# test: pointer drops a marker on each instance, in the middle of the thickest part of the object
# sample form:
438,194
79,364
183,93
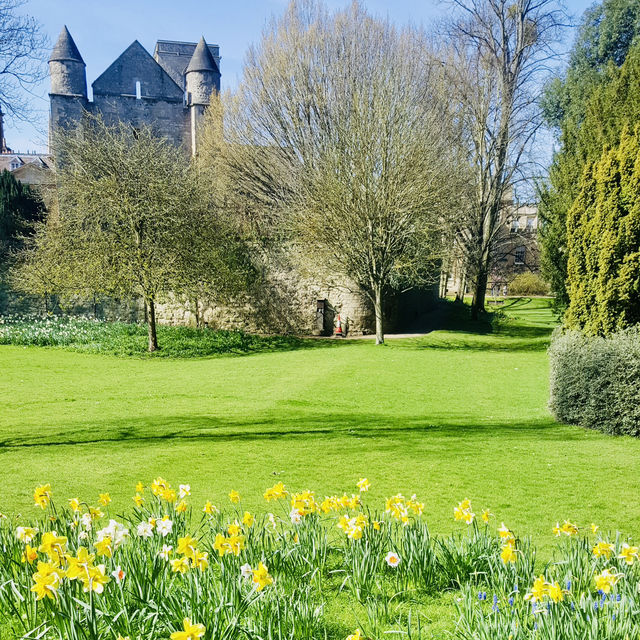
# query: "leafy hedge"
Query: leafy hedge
595,381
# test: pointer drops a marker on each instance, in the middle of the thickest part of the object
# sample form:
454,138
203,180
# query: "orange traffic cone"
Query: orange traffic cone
339,333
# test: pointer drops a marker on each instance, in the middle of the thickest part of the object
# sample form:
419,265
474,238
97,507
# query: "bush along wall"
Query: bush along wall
595,381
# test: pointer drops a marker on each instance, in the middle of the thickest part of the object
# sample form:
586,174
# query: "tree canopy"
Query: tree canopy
20,209
603,233
338,136
586,116
135,219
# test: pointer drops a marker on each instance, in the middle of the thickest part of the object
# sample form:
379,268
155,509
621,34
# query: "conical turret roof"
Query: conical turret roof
202,59
65,48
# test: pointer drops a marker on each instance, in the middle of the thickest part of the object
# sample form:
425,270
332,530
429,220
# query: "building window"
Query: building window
14,165
515,225
138,90
520,254
531,224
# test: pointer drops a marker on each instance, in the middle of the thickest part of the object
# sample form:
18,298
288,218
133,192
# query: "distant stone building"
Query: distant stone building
519,252
515,251
29,168
168,91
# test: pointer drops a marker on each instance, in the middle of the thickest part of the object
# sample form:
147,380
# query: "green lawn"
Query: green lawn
451,415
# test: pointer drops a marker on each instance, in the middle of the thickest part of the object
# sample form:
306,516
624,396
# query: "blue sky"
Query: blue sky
102,29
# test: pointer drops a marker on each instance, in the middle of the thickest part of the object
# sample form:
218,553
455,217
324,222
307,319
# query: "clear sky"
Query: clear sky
102,29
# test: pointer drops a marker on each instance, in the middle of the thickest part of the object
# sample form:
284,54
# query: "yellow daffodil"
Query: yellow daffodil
104,499
181,507
138,499
190,631
42,496
486,514
169,495
304,503
555,592
74,504
606,580
47,580
397,507
95,580
140,487
234,528
209,508
247,519
356,635
104,547
603,549
261,577
26,534
628,553
508,554
180,565
569,529
95,513
415,506
363,484
53,546
187,546
234,496
538,590
200,560
594,528
158,486
463,511
80,565
29,554
276,492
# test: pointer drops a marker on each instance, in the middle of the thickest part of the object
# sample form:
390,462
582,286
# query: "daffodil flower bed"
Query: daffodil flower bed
170,569
81,333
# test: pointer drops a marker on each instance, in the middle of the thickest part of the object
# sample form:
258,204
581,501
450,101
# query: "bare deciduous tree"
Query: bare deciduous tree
22,47
499,50
339,132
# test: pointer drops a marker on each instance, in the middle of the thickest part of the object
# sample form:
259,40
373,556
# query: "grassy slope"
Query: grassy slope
450,415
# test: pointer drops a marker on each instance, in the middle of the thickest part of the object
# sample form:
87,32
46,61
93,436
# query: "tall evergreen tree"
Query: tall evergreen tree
603,239
607,34
20,209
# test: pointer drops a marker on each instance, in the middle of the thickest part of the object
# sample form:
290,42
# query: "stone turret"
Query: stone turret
67,68
68,97
202,79
202,75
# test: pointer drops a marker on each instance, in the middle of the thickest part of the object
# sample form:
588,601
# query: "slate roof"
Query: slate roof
174,57
65,48
202,60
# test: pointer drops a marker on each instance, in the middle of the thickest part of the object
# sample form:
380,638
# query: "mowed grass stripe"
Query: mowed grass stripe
454,414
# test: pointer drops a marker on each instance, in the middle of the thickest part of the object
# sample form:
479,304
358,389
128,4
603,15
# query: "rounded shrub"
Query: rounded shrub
528,284
595,381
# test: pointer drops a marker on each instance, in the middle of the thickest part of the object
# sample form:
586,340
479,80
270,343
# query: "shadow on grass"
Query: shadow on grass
496,330
213,429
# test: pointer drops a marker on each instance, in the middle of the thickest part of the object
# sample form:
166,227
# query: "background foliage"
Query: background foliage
588,108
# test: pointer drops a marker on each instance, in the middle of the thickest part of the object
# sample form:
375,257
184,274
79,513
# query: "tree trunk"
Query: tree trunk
377,307
151,324
479,293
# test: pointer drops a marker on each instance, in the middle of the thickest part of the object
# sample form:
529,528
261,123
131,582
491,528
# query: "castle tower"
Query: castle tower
68,95
202,79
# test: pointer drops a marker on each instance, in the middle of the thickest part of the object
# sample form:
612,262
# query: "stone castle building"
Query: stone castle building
169,90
